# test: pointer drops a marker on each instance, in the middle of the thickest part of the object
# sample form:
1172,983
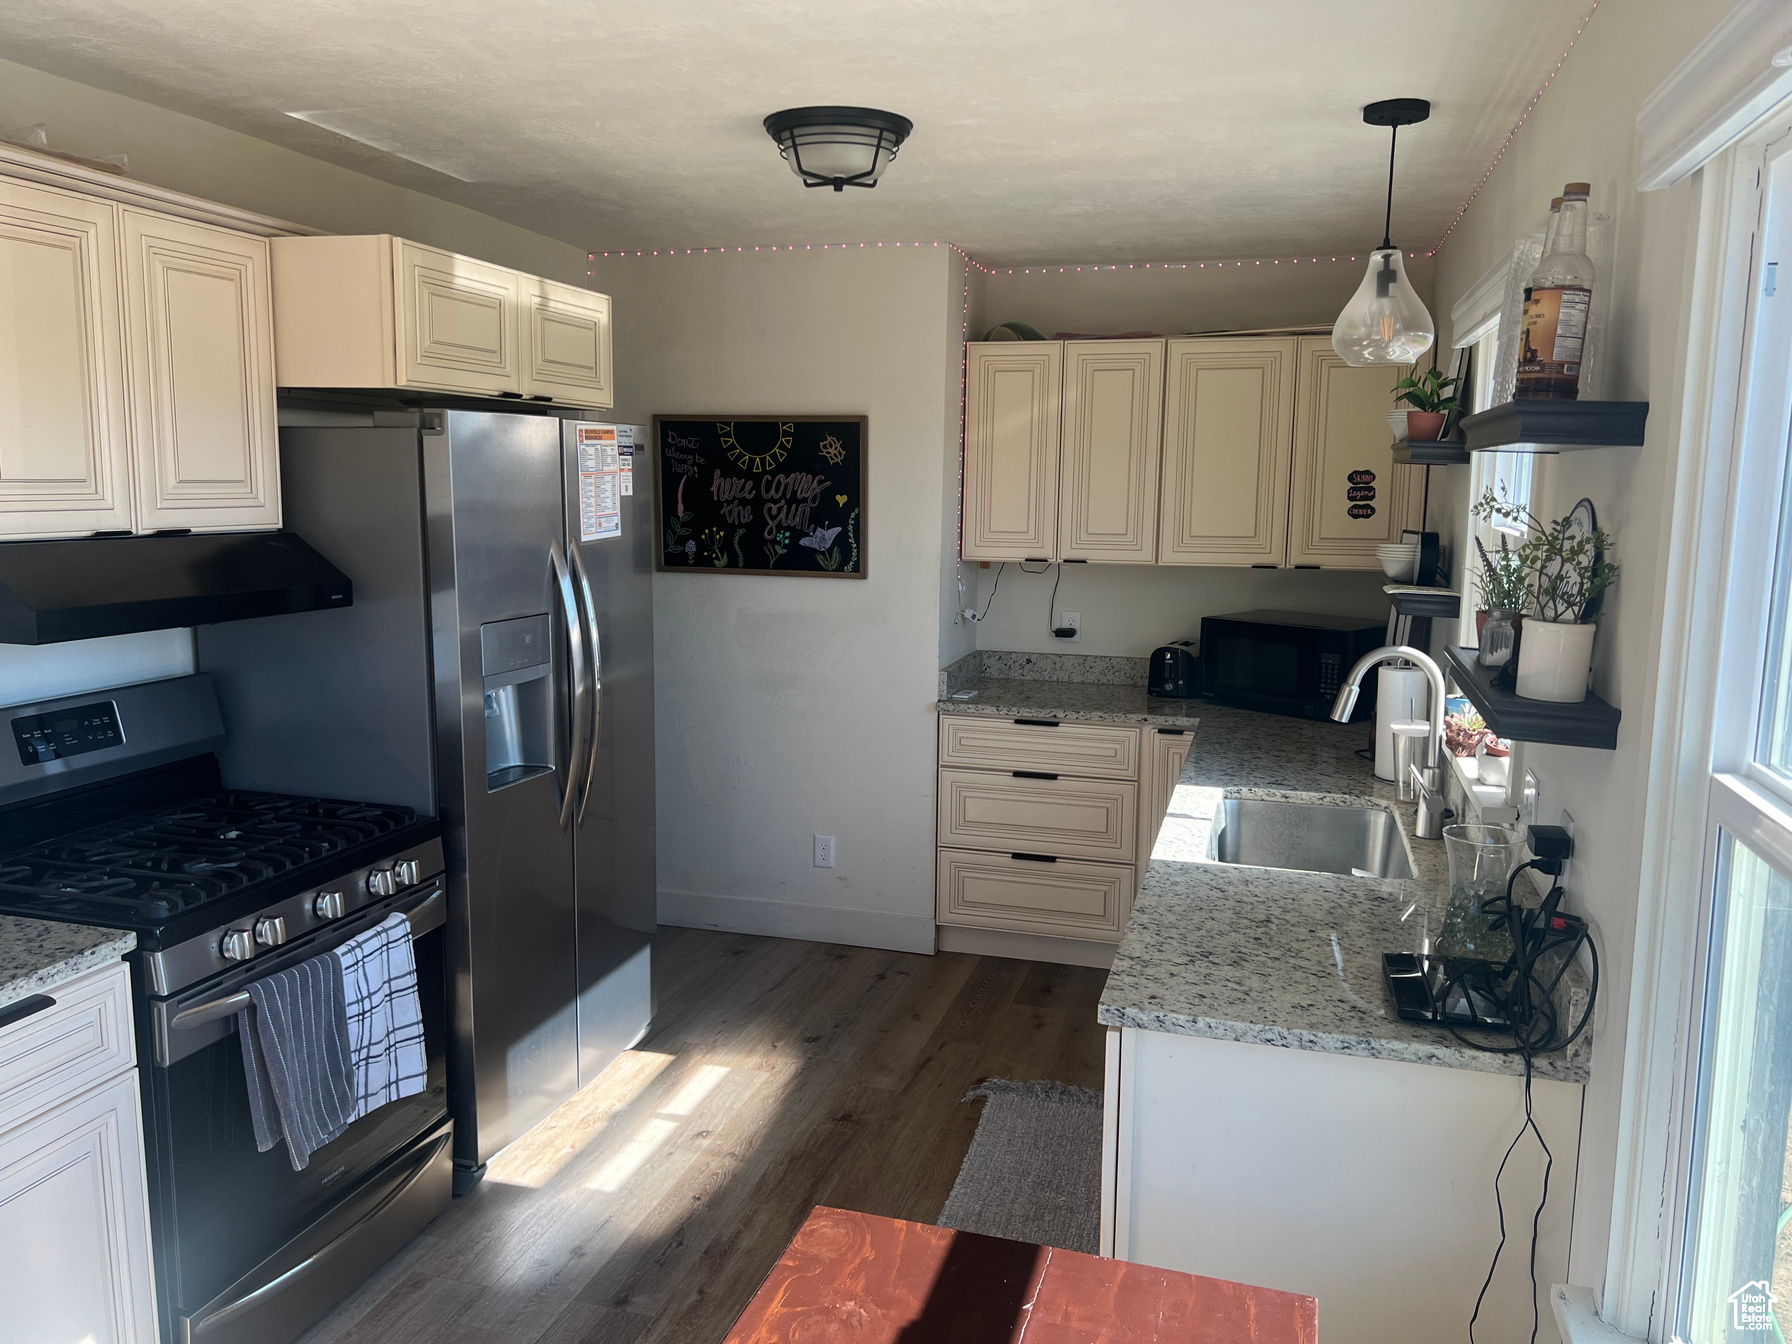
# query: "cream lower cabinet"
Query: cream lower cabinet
376,311
74,1215
65,466
1349,494
1045,829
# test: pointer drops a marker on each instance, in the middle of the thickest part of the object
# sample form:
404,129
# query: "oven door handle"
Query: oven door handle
429,914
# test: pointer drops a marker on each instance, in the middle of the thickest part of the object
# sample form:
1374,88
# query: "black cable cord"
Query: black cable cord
1387,228
1051,606
992,589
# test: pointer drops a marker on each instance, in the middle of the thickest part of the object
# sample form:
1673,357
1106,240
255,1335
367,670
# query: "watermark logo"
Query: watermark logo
1751,1306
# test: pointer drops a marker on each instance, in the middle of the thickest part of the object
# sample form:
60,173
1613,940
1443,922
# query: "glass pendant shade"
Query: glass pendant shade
838,147
1384,322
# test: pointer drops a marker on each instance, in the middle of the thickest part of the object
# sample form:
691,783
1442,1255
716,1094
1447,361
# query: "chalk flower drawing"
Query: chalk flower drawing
712,542
833,450
821,538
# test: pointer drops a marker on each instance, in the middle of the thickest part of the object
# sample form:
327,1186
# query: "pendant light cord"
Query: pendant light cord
1387,227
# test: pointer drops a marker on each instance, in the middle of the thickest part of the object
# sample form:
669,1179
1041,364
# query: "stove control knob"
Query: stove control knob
329,905
270,931
382,881
408,872
236,945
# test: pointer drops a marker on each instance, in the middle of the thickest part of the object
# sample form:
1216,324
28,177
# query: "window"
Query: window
1735,1256
1506,474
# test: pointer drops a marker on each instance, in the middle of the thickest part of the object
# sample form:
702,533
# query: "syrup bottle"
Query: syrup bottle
1556,306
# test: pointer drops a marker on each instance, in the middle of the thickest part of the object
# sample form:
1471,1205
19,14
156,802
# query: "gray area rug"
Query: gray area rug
1033,1172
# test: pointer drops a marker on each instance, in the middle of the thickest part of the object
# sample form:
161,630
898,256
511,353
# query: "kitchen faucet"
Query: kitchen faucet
1428,774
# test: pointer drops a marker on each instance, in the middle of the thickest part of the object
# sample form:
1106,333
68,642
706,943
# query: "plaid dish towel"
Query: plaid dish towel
385,1017
295,1045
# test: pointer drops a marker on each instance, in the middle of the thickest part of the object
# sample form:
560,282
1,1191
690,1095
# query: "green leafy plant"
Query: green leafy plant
1430,391
1564,567
1501,581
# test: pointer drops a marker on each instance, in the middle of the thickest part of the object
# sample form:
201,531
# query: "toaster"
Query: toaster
1176,670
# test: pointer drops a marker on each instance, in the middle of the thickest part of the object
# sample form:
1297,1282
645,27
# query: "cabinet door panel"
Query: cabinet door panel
1091,750
459,320
199,313
569,345
1112,446
1166,751
1228,429
1065,898
64,454
1013,395
1070,818
1349,494
74,1223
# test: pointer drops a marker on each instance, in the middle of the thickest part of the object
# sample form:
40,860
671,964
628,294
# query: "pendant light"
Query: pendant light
838,147
1385,322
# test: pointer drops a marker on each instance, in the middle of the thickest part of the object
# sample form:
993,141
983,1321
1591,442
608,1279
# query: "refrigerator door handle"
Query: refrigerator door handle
575,648
595,680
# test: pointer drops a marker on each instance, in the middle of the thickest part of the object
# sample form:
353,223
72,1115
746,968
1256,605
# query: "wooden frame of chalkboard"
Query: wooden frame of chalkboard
787,493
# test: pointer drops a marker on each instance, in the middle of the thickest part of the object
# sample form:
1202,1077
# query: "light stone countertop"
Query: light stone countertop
36,955
1259,955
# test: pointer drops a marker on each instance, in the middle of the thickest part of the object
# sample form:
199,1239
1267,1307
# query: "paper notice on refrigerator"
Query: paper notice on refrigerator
600,491
625,455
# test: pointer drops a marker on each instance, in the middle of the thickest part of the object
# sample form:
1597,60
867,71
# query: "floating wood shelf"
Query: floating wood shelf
1437,453
1591,723
1410,600
1556,426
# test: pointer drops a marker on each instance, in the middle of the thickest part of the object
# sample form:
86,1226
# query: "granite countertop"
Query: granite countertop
36,955
1084,701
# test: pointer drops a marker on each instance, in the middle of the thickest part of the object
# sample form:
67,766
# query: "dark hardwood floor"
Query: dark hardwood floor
778,1075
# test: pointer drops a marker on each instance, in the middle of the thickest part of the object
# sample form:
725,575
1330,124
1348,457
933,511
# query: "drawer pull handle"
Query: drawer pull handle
1172,732
24,1008
1040,723
1035,858
1032,774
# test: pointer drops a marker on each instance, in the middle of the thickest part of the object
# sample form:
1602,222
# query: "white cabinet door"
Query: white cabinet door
1012,400
200,339
1166,751
64,451
458,322
74,1224
1349,494
1228,429
1112,444
569,345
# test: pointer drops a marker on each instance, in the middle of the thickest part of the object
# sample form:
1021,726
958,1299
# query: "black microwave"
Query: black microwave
1286,662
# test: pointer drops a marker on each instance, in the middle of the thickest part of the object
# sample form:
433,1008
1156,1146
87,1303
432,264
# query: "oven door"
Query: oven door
221,1207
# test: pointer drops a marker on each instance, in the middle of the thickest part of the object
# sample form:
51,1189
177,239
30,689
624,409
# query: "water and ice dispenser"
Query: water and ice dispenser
516,660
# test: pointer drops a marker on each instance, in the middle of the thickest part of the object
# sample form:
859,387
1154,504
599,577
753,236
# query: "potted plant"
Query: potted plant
1430,397
1504,594
1566,569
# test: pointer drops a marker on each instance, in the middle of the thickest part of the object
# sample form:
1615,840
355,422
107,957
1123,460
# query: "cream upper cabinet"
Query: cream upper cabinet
568,333
1112,435
200,373
1228,432
64,450
379,311
1013,399
1349,495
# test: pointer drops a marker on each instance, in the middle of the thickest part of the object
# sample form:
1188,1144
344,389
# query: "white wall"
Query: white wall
789,706
170,149
1584,129
1131,609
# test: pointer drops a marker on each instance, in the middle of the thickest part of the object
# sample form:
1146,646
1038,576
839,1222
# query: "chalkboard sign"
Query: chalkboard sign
761,494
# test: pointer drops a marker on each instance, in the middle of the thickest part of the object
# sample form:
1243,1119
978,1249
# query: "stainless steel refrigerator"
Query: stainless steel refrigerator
495,668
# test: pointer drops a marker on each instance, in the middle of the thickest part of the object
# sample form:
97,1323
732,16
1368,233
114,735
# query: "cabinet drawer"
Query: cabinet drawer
1092,750
54,1054
1066,897
1068,818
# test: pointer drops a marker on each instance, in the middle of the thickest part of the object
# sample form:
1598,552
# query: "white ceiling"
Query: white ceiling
1045,130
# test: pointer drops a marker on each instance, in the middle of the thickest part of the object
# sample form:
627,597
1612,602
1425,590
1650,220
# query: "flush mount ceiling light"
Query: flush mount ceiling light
1385,322
838,147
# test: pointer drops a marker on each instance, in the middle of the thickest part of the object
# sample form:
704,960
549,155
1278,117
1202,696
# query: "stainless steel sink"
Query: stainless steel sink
1309,837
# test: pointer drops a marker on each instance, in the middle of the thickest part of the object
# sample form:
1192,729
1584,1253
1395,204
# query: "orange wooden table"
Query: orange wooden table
854,1278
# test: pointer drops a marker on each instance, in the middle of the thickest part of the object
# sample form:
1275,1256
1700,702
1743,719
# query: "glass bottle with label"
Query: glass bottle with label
1556,306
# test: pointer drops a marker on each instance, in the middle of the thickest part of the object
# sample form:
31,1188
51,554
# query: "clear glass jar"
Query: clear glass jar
1481,861
1499,638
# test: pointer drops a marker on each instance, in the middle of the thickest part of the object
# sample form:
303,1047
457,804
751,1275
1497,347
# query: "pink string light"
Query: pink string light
1069,268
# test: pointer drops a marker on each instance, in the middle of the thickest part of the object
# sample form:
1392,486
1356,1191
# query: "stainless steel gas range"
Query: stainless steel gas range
112,813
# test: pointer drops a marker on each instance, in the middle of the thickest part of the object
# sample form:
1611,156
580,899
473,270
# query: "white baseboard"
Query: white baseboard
793,919
1026,946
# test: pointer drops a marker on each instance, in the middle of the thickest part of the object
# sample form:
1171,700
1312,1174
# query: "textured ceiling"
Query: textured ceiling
1045,130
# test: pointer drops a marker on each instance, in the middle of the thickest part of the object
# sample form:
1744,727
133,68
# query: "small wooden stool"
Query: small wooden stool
854,1278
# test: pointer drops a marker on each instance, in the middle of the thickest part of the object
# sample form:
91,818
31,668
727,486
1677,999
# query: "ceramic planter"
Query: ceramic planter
1555,661
1424,426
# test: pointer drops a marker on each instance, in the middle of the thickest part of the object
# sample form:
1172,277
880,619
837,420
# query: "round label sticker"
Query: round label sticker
1362,476
1360,492
1362,510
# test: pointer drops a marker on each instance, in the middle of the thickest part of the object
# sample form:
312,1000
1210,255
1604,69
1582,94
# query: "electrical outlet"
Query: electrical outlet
1071,620
824,851
1527,802
1567,824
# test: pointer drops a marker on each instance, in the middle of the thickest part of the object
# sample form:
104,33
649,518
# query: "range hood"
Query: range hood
52,591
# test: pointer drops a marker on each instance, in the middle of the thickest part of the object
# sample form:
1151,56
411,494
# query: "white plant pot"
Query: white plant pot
1554,661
